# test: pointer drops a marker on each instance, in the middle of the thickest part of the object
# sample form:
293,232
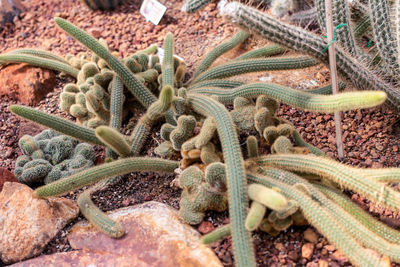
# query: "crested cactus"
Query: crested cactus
49,156
183,131
202,192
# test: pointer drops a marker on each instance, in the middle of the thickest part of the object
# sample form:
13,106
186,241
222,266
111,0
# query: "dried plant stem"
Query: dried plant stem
334,79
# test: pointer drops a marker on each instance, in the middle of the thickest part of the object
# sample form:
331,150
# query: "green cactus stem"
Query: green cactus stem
40,62
156,110
269,50
38,53
216,235
340,15
298,140
255,215
268,197
323,221
60,125
183,131
252,146
104,171
383,35
168,62
336,172
237,189
216,83
192,6
116,106
141,93
222,48
98,218
288,36
113,139
352,222
254,65
206,133
299,99
362,216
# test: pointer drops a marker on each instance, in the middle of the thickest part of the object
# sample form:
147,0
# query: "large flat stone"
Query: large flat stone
155,236
81,258
27,224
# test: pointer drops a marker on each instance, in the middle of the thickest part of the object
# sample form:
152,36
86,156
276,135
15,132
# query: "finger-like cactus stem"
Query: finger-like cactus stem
168,64
300,99
112,138
107,170
255,215
268,197
144,96
238,38
98,218
216,235
183,131
252,146
56,123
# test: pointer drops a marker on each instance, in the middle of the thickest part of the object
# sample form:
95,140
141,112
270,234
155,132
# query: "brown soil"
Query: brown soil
371,137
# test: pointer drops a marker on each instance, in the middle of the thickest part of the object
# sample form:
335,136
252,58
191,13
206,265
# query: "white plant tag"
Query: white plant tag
160,54
152,10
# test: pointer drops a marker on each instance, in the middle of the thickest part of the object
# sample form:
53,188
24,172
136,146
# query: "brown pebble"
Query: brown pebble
307,250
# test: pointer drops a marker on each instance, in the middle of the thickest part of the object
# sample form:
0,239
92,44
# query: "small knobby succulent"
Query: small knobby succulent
50,156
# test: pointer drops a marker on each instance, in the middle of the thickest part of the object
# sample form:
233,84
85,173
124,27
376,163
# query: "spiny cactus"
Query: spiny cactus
142,94
200,104
202,192
183,131
288,35
49,156
39,62
89,99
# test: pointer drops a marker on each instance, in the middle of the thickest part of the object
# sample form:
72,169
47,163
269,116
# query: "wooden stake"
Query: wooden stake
334,80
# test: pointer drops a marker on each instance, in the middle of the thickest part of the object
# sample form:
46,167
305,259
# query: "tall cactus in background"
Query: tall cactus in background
102,5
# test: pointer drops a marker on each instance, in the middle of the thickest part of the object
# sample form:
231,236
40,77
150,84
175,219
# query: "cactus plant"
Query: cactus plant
49,156
200,112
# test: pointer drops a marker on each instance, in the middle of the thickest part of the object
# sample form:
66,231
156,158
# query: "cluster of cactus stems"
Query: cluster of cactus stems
50,156
351,65
214,174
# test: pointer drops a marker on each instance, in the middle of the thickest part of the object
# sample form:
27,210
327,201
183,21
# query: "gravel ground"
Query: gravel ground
371,137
